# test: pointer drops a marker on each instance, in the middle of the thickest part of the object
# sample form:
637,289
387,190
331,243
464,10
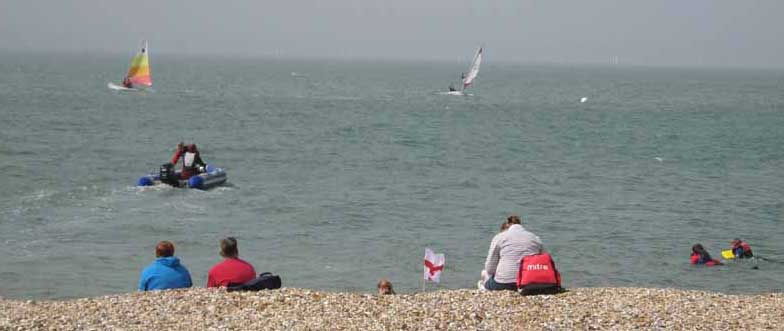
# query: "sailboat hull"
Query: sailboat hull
113,86
458,93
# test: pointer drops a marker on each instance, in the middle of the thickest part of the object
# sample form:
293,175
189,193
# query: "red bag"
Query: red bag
538,275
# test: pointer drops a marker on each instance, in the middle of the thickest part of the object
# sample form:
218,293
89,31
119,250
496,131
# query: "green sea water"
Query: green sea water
342,172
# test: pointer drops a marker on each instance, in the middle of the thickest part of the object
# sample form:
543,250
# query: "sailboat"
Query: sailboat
138,76
468,79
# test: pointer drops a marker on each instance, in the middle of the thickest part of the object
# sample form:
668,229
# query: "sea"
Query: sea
342,172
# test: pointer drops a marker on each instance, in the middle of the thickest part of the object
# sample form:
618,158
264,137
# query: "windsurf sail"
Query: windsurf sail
139,72
473,71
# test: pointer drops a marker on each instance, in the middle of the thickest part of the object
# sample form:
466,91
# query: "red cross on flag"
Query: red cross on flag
434,264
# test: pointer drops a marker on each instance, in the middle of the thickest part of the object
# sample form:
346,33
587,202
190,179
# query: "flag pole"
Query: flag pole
424,279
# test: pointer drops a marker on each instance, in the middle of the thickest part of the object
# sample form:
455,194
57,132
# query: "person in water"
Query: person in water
166,272
699,256
232,270
191,160
741,249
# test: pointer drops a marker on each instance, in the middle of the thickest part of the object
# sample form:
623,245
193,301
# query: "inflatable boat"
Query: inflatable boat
208,177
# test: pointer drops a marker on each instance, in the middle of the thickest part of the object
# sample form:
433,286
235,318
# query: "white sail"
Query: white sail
474,70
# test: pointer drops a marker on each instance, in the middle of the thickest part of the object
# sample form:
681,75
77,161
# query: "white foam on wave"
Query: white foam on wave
39,195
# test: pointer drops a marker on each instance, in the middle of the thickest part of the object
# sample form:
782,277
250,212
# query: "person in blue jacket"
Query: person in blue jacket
166,272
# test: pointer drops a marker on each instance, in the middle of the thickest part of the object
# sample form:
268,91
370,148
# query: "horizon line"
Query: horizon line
277,55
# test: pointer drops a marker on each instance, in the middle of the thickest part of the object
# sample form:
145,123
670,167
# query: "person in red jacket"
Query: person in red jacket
699,256
232,270
741,249
191,160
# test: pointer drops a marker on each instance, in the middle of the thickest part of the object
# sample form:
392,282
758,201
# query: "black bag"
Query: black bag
265,281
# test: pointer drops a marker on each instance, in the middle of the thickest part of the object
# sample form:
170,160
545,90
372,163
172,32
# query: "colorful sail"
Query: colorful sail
474,70
139,73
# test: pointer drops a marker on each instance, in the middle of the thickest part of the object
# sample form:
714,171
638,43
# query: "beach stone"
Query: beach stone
305,309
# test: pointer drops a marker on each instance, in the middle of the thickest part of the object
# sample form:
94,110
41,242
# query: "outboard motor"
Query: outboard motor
168,175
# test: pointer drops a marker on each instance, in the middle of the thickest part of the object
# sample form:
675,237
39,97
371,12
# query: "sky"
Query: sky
723,33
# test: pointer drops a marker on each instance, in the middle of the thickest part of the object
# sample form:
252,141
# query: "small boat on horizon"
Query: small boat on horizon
138,76
468,78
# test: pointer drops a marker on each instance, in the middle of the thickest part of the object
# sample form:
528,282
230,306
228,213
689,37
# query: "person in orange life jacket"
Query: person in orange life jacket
700,256
741,249
191,160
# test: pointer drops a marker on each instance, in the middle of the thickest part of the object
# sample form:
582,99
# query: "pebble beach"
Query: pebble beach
304,309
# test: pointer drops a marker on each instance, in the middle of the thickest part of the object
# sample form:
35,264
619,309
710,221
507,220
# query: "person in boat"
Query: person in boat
741,249
452,88
700,256
191,160
127,83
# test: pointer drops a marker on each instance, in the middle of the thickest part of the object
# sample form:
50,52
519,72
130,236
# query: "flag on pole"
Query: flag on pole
434,264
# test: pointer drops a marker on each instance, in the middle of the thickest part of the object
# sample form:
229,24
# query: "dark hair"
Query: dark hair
514,219
228,247
697,248
164,249
504,226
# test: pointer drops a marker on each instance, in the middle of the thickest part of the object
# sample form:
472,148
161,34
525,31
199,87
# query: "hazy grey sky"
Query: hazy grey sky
654,32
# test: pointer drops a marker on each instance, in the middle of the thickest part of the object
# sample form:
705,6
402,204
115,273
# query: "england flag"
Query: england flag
434,264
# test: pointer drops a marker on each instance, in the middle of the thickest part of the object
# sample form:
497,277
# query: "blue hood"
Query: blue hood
169,261
165,273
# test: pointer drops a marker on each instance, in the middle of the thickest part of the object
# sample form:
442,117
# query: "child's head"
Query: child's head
385,287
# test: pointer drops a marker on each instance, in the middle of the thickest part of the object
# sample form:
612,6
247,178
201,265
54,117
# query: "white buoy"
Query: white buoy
583,99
